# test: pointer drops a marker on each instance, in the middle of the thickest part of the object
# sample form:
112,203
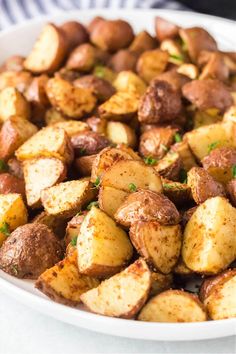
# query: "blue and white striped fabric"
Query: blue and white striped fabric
16,11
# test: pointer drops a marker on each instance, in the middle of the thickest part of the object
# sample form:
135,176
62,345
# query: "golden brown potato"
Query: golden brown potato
152,63
160,245
160,103
57,225
110,199
14,132
160,282
48,52
93,23
122,60
112,35
73,227
165,29
195,40
142,41
129,81
97,124
13,63
67,74
207,94
41,173
67,198
176,53
231,189
72,101
75,34
63,283
174,78
36,91
187,158
215,68
201,118
121,133
83,165
145,205
20,80
12,103
103,247
15,168
203,185
48,142
53,116
101,88
178,193
11,184
209,237
173,306
170,166
88,143
72,127
123,295
230,114
220,163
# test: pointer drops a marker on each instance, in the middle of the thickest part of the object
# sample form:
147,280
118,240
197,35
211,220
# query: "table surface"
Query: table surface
25,331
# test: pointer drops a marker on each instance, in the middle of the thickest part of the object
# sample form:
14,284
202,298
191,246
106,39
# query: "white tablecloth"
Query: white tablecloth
25,331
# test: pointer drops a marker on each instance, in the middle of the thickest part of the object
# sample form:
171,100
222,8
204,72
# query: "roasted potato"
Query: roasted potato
152,63
73,227
230,115
231,189
97,124
19,80
13,63
11,184
189,70
129,81
215,68
83,165
186,215
101,88
165,29
124,59
12,103
182,271
123,295
57,225
179,193
103,247
121,133
174,78
29,251
187,158
159,244
202,118
142,42
160,282
209,237
175,51
169,166
15,168
105,73
145,205
110,199
72,127
75,33
173,306
88,143
53,116
67,198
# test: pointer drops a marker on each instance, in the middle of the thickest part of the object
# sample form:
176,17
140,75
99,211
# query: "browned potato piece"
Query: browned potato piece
155,142
112,35
220,163
73,227
67,74
29,251
41,173
11,184
19,80
187,158
160,282
197,39
102,89
175,79
178,193
75,33
91,26
160,103
53,116
63,283
159,244
14,132
36,91
57,225
123,295
142,42
186,215
173,306
188,70
145,205
165,29
97,124
103,247
169,166
207,94
13,63
201,118
110,199
230,114
88,143
83,165
130,175
72,101
231,189
215,68
72,127
121,133
48,142
203,186
124,59
48,52
12,102
129,81
15,168
152,63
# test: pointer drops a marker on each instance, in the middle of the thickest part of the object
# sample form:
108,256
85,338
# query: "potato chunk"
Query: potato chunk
123,294
41,173
63,282
72,127
159,244
209,244
48,142
129,81
12,103
67,198
73,227
110,199
173,306
178,193
121,133
13,214
152,63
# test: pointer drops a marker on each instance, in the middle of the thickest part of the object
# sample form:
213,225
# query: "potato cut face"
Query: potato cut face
13,213
160,245
209,244
123,294
63,282
103,247
121,133
72,127
129,81
152,63
39,174
57,225
173,306
67,198
12,103
178,193
185,154
160,282
48,142
129,175
110,199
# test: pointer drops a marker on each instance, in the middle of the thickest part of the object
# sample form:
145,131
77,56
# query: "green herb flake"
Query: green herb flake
97,182
150,161
99,71
234,171
212,146
82,151
89,207
73,242
4,229
164,147
132,187
79,213
14,269
177,138
3,166
177,57
183,176
168,186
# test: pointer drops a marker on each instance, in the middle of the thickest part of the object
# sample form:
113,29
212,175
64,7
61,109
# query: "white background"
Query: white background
25,331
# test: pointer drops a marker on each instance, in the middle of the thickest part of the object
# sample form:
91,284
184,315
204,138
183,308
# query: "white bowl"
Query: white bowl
19,40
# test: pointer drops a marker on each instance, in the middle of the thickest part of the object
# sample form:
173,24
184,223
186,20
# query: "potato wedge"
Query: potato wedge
110,199
12,103
14,132
13,214
41,173
129,81
48,52
201,118
122,295
48,142
72,101
160,282
187,158
72,127
165,29
178,193
53,116
152,63
67,198
209,244
173,306
20,80
121,133
142,41
63,283
73,228
57,225
97,124
103,247
169,166
84,164
129,175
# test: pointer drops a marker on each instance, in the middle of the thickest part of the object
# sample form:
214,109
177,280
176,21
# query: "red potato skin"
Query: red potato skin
88,143
124,59
75,34
11,184
165,29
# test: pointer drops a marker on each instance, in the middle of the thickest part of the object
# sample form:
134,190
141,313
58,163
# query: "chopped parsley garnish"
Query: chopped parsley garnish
164,147
89,207
150,161
3,166
82,151
4,229
177,57
234,171
168,186
212,146
132,187
97,182
178,138
73,241
183,176
99,71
